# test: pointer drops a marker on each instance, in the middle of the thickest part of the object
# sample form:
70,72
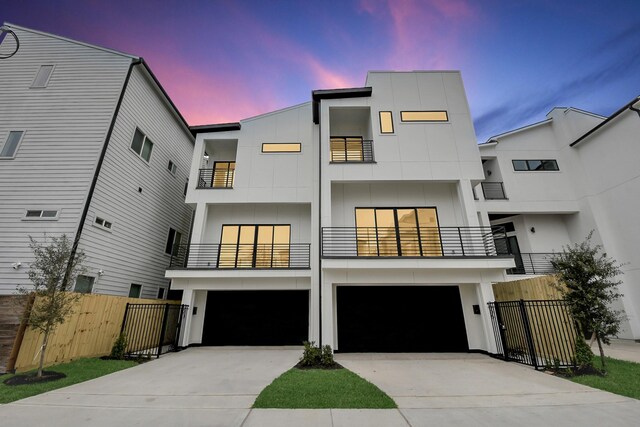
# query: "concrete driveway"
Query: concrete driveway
217,386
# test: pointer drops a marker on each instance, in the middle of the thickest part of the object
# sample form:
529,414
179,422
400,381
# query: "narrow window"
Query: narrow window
424,116
172,167
173,241
289,147
42,77
8,150
161,293
223,173
386,122
38,214
102,223
520,165
135,291
84,284
186,186
535,165
142,145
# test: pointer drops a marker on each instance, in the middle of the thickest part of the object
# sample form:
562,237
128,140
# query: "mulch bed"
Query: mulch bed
33,379
327,367
586,370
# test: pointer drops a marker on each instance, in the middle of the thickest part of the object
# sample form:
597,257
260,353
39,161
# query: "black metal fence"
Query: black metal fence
493,191
532,263
347,242
216,178
351,150
539,333
152,329
241,256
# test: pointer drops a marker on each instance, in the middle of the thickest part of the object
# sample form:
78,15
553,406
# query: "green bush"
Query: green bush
119,348
584,356
326,358
312,354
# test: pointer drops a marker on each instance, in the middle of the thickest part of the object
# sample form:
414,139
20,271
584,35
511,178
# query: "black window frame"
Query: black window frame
393,129
145,138
170,245
446,113
139,290
544,163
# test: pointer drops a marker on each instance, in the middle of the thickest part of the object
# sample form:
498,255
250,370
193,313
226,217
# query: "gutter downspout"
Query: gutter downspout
319,225
94,181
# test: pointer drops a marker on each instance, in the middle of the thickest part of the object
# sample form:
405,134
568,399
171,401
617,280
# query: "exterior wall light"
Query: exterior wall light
533,229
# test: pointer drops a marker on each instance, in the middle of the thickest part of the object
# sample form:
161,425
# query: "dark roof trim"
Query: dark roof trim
164,92
611,117
220,127
317,95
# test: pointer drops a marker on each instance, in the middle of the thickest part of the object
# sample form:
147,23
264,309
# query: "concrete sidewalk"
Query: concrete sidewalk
628,350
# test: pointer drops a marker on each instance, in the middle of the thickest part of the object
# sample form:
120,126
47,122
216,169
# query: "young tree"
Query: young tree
590,287
52,273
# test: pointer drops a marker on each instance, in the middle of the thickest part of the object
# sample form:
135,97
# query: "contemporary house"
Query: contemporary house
349,220
90,146
551,183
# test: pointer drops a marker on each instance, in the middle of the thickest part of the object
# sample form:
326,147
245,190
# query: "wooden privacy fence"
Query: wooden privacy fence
535,288
89,332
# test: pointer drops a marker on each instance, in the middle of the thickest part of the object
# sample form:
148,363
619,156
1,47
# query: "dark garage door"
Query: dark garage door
400,319
256,318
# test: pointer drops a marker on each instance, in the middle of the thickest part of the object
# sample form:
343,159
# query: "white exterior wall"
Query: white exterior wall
65,128
133,251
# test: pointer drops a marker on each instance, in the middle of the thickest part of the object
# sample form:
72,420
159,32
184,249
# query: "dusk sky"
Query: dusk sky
223,61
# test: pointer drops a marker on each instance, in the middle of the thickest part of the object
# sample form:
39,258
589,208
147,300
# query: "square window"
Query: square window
8,150
84,284
386,122
42,77
534,165
135,291
520,165
142,145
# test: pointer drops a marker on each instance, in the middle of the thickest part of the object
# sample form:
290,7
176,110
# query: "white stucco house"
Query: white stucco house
552,182
349,220
90,146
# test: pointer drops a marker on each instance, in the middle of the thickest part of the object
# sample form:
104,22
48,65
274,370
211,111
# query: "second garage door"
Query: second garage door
400,319
256,318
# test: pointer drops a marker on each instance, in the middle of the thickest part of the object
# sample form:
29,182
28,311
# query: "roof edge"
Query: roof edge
320,94
609,119
216,127
520,129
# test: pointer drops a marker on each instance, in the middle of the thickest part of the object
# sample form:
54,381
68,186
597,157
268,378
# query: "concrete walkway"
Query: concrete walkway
217,386
620,349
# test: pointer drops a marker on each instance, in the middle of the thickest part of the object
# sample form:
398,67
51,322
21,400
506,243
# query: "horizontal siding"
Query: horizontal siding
65,124
133,251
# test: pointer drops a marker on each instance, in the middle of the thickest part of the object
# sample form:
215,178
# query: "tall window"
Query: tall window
10,146
223,173
254,246
398,232
173,241
142,145
42,77
386,122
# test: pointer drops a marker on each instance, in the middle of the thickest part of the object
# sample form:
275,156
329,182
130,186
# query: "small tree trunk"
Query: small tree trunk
45,341
601,350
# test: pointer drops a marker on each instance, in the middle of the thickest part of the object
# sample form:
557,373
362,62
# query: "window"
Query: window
424,116
142,145
8,150
173,241
287,147
223,173
135,291
102,223
84,284
172,167
37,214
161,293
397,232
386,122
254,246
186,186
42,77
535,165
350,149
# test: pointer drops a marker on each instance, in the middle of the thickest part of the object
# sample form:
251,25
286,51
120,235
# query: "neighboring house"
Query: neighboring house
349,220
550,183
90,146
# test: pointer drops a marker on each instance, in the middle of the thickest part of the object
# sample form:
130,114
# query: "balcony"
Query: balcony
221,176
493,191
532,263
241,256
410,242
347,149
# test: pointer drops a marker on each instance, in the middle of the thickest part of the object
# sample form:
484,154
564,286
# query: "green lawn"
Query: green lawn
77,371
320,388
622,378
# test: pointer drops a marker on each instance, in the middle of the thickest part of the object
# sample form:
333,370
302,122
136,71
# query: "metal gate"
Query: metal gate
152,329
540,333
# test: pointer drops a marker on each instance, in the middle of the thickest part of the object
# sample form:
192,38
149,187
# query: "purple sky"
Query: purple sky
228,60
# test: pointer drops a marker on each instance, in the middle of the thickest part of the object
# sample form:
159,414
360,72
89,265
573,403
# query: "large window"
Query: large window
223,173
398,232
535,165
142,145
10,146
424,116
254,246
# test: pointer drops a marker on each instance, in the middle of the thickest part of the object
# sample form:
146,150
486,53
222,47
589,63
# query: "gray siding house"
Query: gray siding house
90,146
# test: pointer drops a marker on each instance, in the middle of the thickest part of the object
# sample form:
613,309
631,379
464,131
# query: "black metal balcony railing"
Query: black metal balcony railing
216,178
352,242
493,191
351,150
532,263
241,256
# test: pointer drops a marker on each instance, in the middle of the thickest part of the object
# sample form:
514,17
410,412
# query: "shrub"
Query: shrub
326,358
119,347
584,355
312,354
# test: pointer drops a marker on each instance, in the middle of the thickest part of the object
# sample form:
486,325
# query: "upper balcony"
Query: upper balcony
218,165
350,137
